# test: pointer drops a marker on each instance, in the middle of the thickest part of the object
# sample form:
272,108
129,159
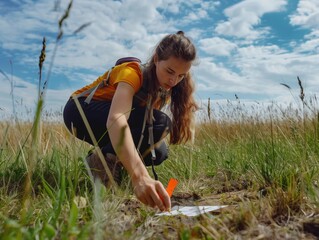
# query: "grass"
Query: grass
266,171
262,163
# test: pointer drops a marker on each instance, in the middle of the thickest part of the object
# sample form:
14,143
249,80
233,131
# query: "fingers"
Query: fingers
148,200
155,196
164,201
160,197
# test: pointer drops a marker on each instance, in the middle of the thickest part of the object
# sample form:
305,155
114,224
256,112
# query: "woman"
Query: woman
116,115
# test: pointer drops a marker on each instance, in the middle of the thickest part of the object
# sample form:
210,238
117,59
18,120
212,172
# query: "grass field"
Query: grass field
264,165
265,170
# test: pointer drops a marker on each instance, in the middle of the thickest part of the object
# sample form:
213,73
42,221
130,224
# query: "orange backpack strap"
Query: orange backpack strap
91,91
104,82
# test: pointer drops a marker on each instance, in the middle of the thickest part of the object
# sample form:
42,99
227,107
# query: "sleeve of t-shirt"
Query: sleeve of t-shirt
129,73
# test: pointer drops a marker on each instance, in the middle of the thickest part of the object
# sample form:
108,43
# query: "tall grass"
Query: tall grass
265,168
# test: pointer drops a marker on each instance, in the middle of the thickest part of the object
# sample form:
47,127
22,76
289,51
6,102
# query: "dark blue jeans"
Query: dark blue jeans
97,112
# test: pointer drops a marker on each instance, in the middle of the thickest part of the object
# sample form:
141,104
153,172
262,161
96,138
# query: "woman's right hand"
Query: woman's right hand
151,192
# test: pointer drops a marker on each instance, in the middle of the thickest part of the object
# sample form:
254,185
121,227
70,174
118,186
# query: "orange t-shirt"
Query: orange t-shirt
129,72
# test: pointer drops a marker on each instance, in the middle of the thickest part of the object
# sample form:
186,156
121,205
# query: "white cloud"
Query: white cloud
217,46
194,16
270,66
307,17
19,98
244,16
115,28
216,77
227,66
260,71
311,45
307,14
188,12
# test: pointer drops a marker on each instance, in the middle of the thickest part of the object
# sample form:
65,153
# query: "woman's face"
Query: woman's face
171,71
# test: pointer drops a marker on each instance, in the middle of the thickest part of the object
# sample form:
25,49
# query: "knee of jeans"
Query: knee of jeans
162,119
161,127
161,157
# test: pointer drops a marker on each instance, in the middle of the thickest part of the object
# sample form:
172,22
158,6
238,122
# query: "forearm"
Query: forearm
123,144
146,189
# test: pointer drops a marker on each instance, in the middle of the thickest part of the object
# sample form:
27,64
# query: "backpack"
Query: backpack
141,96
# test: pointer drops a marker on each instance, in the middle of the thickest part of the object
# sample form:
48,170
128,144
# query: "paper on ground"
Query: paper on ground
190,211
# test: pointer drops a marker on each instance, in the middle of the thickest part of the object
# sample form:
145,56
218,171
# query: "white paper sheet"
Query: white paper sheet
190,211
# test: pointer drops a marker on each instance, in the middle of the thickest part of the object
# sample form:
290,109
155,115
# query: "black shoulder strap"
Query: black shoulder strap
141,97
127,59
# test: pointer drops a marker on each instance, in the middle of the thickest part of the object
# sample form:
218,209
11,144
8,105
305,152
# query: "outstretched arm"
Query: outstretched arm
146,189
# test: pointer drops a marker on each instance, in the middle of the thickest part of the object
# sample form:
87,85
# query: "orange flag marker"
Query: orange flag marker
171,186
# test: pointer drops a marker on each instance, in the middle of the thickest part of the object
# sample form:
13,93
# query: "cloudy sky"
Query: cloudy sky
246,48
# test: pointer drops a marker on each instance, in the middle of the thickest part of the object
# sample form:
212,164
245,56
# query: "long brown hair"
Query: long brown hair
182,104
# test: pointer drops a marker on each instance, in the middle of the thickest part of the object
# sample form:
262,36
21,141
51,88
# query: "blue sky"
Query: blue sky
245,48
